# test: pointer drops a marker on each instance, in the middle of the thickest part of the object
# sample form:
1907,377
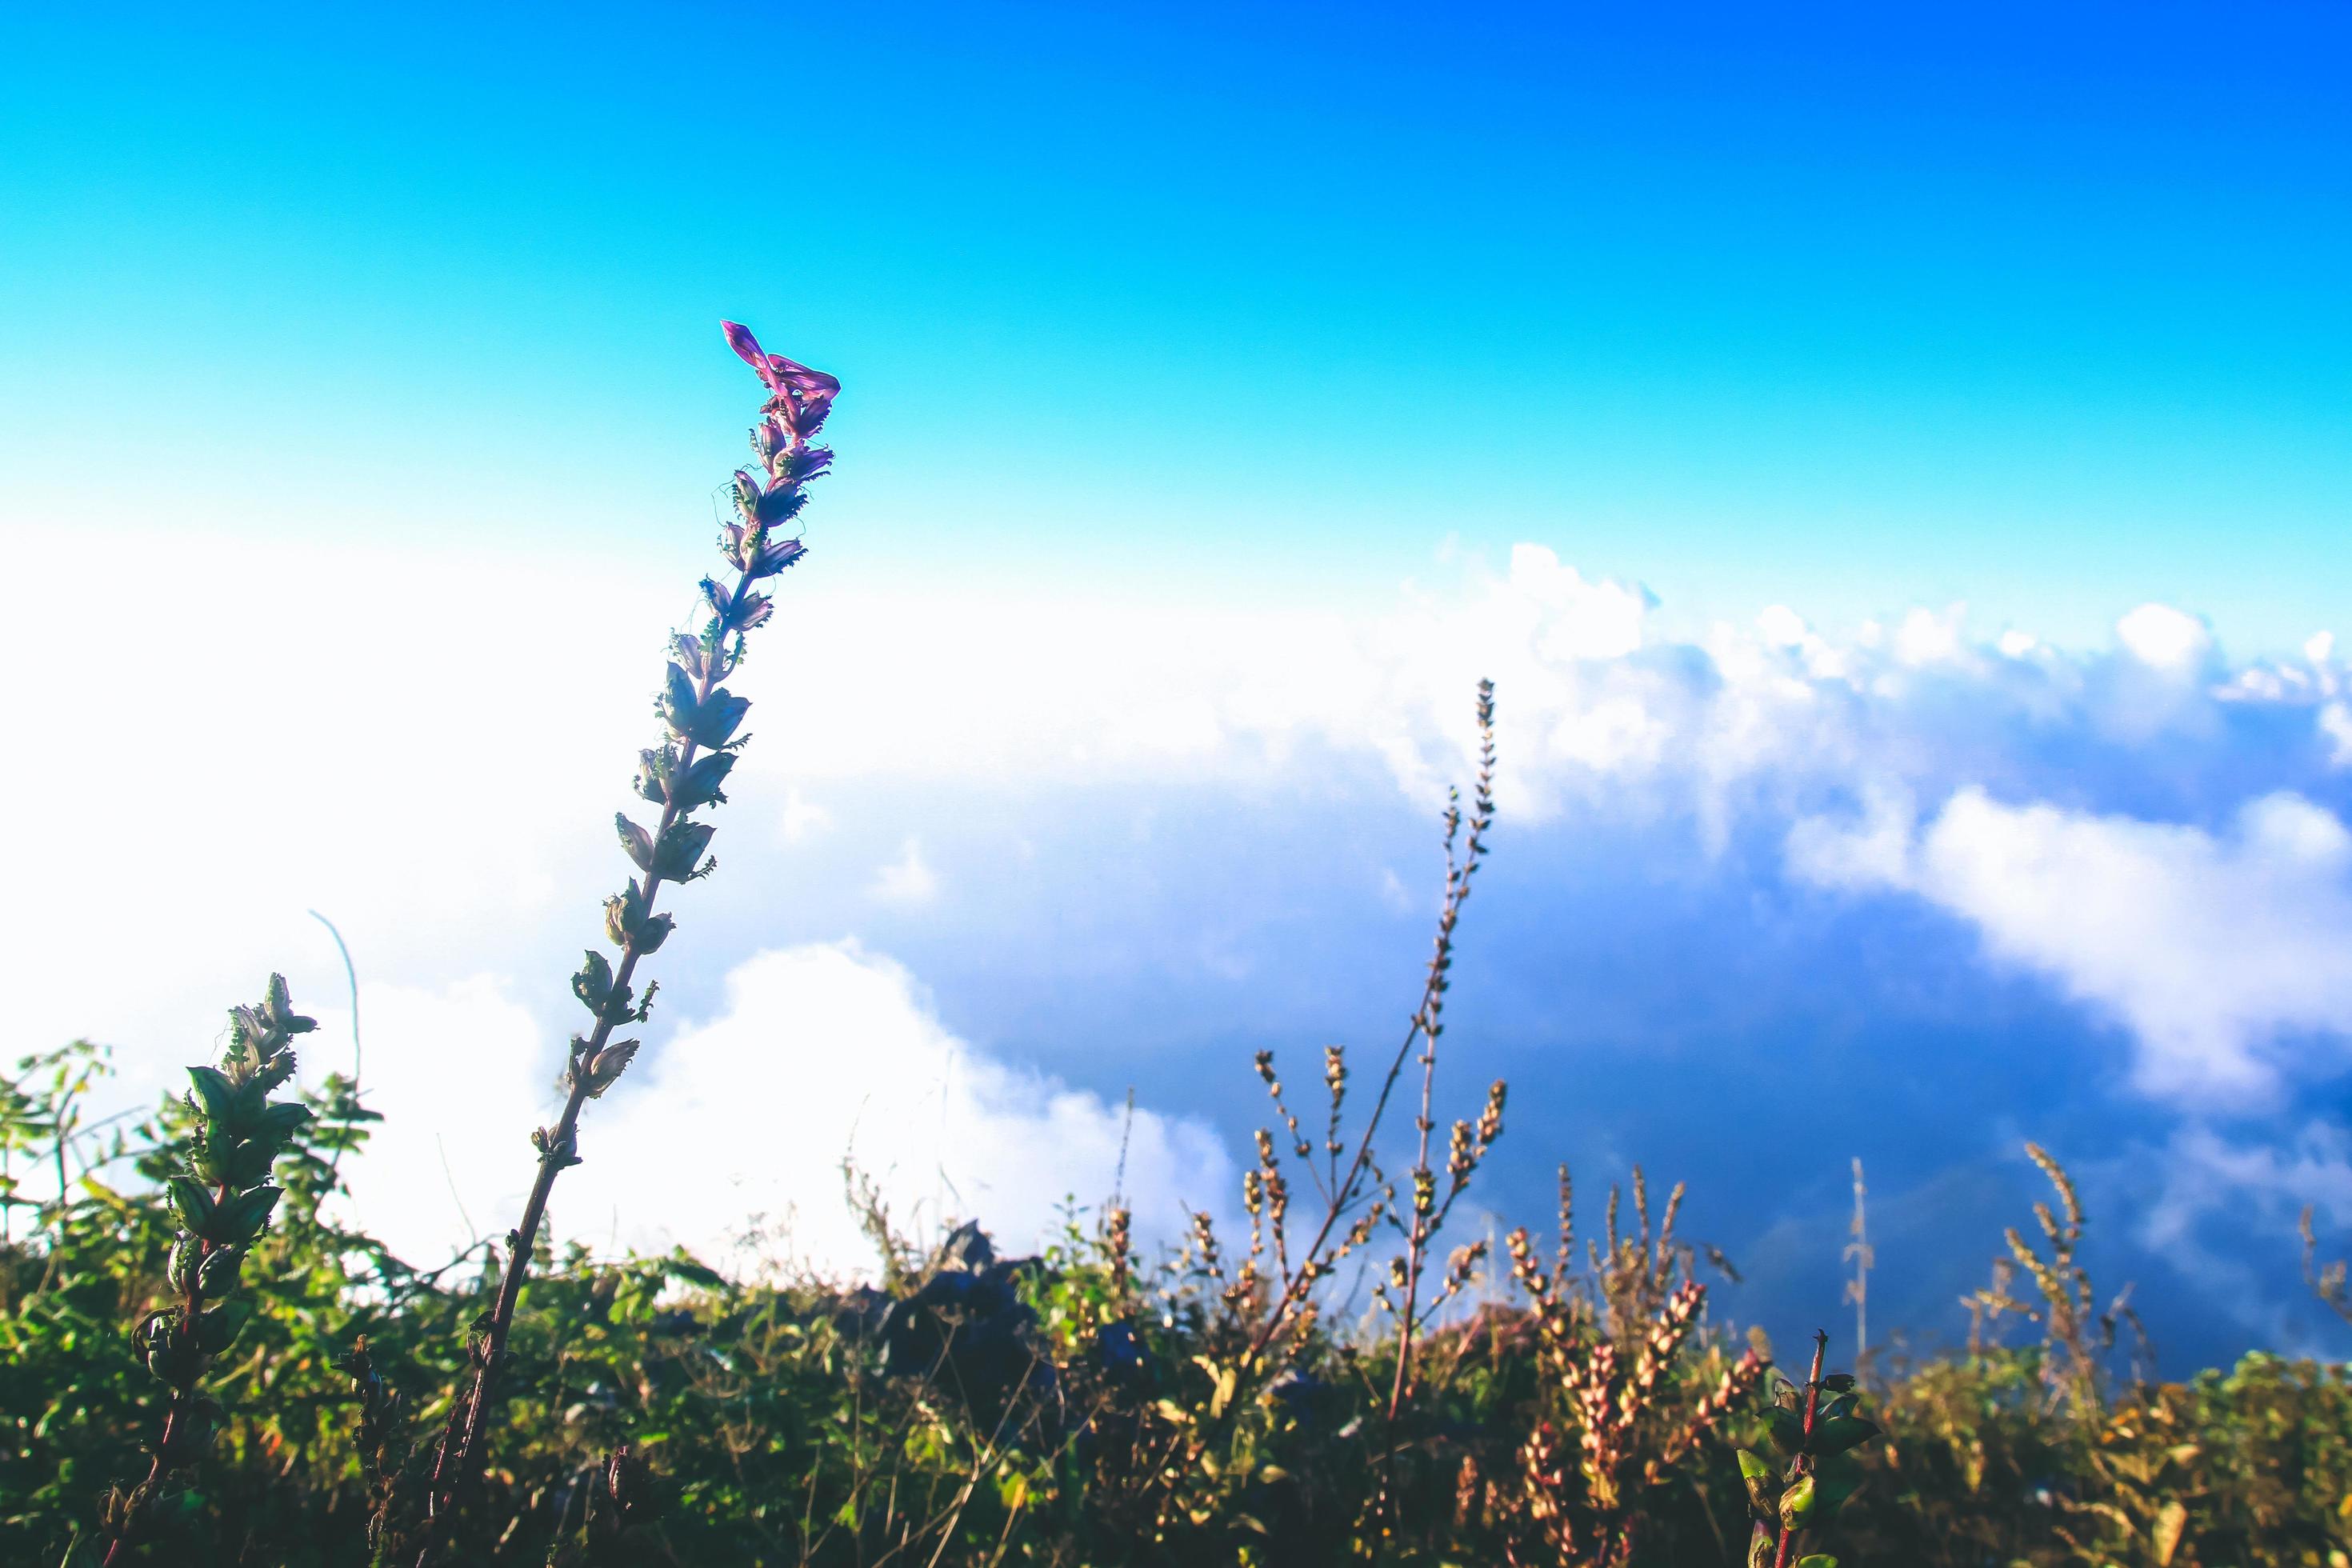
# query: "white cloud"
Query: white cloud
2166,640
1580,619
820,1052
460,1073
2335,723
827,1051
1874,852
802,817
2202,1168
2217,1190
909,879
1927,637
2218,953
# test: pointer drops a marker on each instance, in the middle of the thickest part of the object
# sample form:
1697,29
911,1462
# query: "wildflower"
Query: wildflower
801,398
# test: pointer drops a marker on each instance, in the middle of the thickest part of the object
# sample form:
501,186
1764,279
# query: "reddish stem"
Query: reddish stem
184,1400
1813,1404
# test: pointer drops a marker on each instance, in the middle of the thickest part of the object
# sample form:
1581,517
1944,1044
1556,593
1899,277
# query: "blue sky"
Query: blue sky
2040,310
1795,411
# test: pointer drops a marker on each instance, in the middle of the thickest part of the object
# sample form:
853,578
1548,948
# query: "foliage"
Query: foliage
1082,1406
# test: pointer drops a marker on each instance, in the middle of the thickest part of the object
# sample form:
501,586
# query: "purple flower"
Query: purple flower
806,463
801,397
773,556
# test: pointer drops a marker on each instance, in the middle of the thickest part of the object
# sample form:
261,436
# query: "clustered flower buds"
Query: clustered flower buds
223,1199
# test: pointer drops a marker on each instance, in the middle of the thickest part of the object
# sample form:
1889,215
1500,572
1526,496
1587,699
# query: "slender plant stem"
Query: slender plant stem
182,1401
351,979
1417,1240
1424,1026
1339,1199
460,1446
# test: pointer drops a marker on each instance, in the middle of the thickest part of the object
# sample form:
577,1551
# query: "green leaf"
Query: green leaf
701,784
1835,1436
2164,1536
681,849
1836,1478
217,1327
1786,1428
217,1276
1817,1560
693,1272
717,717
212,1087
244,1215
677,704
1757,1474
191,1200
248,1163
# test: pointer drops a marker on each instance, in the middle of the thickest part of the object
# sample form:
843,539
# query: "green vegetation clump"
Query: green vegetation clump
1087,1406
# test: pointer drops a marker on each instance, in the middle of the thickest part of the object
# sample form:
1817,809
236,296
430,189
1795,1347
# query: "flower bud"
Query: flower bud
1797,1502
217,1327
217,1276
679,852
170,1355
655,769
610,1064
780,502
629,923
699,784
594,984
636,842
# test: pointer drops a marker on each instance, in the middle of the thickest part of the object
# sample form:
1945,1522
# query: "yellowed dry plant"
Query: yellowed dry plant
1606,1344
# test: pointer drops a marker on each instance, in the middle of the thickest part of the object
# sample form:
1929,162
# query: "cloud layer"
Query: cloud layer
2227,955
730,1135
996,856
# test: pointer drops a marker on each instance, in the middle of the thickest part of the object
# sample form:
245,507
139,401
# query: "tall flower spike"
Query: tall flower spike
683,775
222,1199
